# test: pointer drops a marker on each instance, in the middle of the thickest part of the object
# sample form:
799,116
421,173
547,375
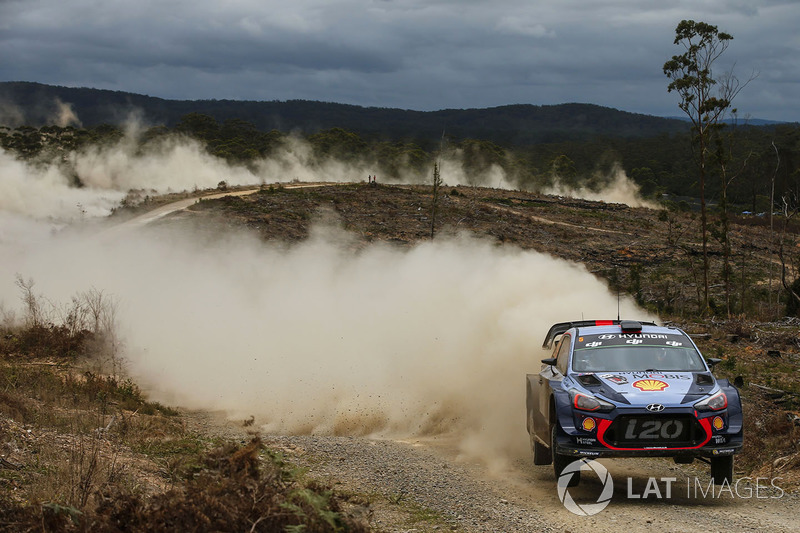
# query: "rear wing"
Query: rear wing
561,327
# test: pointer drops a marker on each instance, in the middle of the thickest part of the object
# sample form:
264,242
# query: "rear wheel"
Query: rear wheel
560,462
722,470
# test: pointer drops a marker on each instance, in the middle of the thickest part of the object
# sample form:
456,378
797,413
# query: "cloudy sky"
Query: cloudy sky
412,54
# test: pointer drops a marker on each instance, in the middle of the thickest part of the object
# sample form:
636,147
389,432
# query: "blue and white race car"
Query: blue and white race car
621,388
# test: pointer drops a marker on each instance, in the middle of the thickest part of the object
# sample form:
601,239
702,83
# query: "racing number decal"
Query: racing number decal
653,429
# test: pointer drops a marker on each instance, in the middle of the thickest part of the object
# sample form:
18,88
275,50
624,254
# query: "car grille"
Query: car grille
655,431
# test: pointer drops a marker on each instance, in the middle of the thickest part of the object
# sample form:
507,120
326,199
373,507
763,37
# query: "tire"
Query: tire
722,470
560,462
541,453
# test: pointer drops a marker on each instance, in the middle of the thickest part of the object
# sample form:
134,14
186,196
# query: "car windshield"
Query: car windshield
635,353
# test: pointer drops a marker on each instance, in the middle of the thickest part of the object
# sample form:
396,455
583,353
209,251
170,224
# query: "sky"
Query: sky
410,54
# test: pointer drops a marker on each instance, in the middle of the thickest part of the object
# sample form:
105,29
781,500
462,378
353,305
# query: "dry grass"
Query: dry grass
84,451
770,390
235,488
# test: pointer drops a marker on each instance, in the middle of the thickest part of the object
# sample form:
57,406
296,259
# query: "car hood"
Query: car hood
643,388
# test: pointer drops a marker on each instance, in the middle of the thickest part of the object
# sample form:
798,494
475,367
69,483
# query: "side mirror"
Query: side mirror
713,361
549,361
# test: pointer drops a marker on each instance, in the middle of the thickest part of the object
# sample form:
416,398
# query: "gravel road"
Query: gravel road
425,485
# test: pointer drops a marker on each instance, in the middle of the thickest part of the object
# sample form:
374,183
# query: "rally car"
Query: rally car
623,388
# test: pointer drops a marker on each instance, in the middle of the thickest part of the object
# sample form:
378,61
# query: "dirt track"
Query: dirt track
424,485
171,207
524,498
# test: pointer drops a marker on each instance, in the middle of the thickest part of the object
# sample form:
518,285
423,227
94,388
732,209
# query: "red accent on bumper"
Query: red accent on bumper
603,426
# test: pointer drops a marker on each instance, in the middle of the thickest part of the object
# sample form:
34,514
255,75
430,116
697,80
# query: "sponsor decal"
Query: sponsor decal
588,424
585,441
655,385
655,375
727,451
609,336
659,375
613,378
637,339
718,423
718,439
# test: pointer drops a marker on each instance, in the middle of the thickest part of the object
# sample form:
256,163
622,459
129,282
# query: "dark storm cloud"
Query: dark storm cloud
403,53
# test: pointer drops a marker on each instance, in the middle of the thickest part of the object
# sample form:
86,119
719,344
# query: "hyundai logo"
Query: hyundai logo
655,407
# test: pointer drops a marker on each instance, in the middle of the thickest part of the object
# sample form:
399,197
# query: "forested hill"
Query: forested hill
34,104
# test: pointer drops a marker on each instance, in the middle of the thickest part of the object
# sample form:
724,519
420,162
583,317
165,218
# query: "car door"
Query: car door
552,374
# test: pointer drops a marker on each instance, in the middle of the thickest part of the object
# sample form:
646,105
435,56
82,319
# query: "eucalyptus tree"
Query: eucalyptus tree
693,80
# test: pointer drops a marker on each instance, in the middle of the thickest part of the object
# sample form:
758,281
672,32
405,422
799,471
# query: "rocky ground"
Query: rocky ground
404,485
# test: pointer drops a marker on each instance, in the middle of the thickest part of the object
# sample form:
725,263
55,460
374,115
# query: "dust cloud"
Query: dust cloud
91,181
616,187
320,338
65,115
317,337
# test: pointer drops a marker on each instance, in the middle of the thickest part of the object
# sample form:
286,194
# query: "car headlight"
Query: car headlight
714,403
585,402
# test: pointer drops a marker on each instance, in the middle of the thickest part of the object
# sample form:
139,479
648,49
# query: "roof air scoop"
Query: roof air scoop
630,326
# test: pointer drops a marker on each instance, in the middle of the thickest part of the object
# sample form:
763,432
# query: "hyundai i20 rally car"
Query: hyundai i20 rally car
621,388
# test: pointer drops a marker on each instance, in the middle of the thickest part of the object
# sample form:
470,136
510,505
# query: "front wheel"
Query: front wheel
560,462
722,470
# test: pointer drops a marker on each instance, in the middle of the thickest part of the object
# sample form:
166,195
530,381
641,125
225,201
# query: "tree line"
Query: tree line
767,158
511,125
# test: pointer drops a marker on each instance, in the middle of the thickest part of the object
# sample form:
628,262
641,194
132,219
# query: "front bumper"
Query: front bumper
635,432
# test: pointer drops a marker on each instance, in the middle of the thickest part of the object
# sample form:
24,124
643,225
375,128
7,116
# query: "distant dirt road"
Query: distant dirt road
166,209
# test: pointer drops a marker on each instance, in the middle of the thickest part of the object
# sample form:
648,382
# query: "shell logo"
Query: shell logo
718,423
650,385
